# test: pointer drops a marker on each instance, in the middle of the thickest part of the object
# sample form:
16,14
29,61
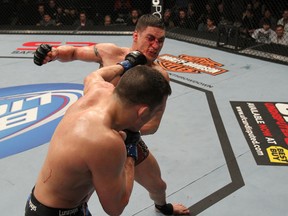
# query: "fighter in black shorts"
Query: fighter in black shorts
35,208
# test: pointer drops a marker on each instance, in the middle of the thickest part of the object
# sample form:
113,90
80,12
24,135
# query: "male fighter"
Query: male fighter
87,152
148,38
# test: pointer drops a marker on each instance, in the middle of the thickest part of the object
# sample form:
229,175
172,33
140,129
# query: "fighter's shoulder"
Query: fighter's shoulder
111,47
98,88
161,70
106,139
109,51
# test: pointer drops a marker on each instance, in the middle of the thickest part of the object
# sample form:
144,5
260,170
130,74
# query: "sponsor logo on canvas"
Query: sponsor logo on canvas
190,64
29,114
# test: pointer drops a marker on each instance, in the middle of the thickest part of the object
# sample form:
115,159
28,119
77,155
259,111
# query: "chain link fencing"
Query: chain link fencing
256,28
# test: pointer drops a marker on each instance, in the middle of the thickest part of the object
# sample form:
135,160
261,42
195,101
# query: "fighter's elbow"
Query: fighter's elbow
116,210
113,213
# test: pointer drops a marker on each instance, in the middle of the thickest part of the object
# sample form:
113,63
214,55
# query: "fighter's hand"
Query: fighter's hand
44,54
132,59
131,141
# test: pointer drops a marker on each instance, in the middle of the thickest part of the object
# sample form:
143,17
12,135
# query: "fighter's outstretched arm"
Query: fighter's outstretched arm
46,53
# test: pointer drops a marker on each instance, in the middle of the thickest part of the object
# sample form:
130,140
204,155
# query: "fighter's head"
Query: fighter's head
149,20
145,89
149,36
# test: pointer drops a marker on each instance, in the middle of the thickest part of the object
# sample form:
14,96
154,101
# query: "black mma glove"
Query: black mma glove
132,59
131,141
41,53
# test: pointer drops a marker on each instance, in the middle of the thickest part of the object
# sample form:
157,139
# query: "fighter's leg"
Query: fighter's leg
148,174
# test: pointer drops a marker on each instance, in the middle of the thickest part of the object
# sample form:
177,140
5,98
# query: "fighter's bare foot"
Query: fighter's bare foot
173,209
179,209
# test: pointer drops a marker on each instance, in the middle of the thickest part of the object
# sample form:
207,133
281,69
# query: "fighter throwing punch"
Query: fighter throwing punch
88,153
148,38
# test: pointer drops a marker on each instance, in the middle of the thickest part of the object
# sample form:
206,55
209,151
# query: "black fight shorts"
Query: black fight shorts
35,208
142,151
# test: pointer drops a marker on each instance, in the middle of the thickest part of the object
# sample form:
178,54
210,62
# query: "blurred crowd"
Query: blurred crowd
265,21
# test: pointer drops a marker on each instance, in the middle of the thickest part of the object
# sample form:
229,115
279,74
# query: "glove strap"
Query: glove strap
132,151
166,209
126,65
132,139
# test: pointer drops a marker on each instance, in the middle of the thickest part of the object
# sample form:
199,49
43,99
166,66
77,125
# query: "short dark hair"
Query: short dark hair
266,22
143,85
279,26
149,20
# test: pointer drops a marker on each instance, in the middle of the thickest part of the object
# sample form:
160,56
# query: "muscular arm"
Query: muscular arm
71,53
86,53
103,74
119,191
113,175
114,72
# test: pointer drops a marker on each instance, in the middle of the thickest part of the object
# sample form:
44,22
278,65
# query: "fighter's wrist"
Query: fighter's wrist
132,151
55,54
121,70
131,161
126,65
133,157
